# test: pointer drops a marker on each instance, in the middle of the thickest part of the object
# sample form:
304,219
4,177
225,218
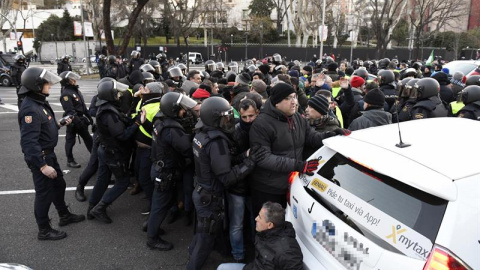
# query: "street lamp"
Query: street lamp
246,45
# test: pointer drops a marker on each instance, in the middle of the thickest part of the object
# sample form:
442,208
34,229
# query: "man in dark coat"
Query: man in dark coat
374,114
275,243
284,133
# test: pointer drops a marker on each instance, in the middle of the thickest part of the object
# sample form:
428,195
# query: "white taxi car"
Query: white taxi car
375,205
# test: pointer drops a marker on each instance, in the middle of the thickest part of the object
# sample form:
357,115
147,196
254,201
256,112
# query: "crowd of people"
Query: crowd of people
220,142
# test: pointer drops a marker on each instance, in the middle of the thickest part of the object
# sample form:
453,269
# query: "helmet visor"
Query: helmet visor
227,121
175,72
73,76
186,102
50,77
120,87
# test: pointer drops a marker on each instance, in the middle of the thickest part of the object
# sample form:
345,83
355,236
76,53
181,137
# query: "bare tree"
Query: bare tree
183,14
429,16
385,17
129,29
5,8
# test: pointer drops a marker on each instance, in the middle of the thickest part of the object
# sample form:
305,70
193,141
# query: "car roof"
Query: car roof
446,146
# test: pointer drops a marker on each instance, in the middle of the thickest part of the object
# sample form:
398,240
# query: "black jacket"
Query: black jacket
73,104
63,66
277,248
326,123
371,118
241,144
284,139
446,94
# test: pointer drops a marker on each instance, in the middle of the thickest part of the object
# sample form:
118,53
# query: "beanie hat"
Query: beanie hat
293,73
319,103
280,91
259,86
308,68
155,87
231,77
446,70
201,94
357,81
441,77
332,66
243,78
264,68
459,76
375,97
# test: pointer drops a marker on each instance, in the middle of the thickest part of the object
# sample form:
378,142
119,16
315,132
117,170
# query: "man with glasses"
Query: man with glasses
283,132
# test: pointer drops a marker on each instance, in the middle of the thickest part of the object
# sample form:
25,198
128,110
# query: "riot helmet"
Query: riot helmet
183,68
34,78
204,75
135,54
410,72
385,77
161,56
426,88
112,59
473,80
361,72
156,65
148,77
172,102
383,64
147,68
233,66
210,65
409,89
110,91
67,76
65,58
19,58
470,94
220,66
252,68
216,112
102,57
401,87
104,79
175,72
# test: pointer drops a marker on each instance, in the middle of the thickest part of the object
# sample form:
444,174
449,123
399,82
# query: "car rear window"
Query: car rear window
416,209
465,68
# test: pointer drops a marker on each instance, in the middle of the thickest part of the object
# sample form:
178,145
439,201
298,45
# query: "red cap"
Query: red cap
357,81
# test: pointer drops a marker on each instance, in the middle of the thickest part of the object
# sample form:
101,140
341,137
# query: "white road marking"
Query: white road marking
31,191
10,107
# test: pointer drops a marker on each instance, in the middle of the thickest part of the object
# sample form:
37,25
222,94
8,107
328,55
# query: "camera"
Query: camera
63,121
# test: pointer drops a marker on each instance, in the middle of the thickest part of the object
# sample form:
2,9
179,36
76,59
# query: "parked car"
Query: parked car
375,205
5,77
195,57
465,66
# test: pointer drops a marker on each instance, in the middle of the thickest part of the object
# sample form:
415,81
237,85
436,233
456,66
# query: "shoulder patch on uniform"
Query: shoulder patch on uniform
65,98
418,116
28,119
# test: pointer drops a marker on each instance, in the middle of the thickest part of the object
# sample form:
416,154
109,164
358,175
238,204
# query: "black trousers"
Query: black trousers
92,165
71,134
48,191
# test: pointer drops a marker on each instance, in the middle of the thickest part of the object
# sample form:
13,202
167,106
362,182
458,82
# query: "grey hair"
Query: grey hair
274,213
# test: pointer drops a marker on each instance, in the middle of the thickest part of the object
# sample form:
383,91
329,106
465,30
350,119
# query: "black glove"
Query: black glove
94,128
339,131
257,153
307,167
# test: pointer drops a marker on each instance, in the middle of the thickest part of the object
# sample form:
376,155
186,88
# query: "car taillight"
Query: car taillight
442,259
290,181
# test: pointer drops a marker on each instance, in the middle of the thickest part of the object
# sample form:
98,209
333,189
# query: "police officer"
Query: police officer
171,155
64,65
471,98
17,70
39,136
115,130
112,69
387,83
214,173
176,75
102,65
73,104
429,104
135,62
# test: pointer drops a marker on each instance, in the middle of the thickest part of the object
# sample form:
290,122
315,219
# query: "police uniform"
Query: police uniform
429,108
73,104
115,131
16,70
63,66
213,173
172,159
39,136
470,111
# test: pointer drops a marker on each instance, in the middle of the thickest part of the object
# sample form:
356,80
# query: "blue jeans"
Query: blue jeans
231,266
236,210
143,164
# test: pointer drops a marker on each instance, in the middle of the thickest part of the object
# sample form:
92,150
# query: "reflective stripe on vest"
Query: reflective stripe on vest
150,110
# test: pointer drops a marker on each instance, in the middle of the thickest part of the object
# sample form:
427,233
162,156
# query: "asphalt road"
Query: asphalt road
90,244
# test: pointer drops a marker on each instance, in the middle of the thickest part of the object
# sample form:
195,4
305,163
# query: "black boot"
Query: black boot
159,243
80,193
67,218
172,216
73,164
100,212
90,207
47,233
